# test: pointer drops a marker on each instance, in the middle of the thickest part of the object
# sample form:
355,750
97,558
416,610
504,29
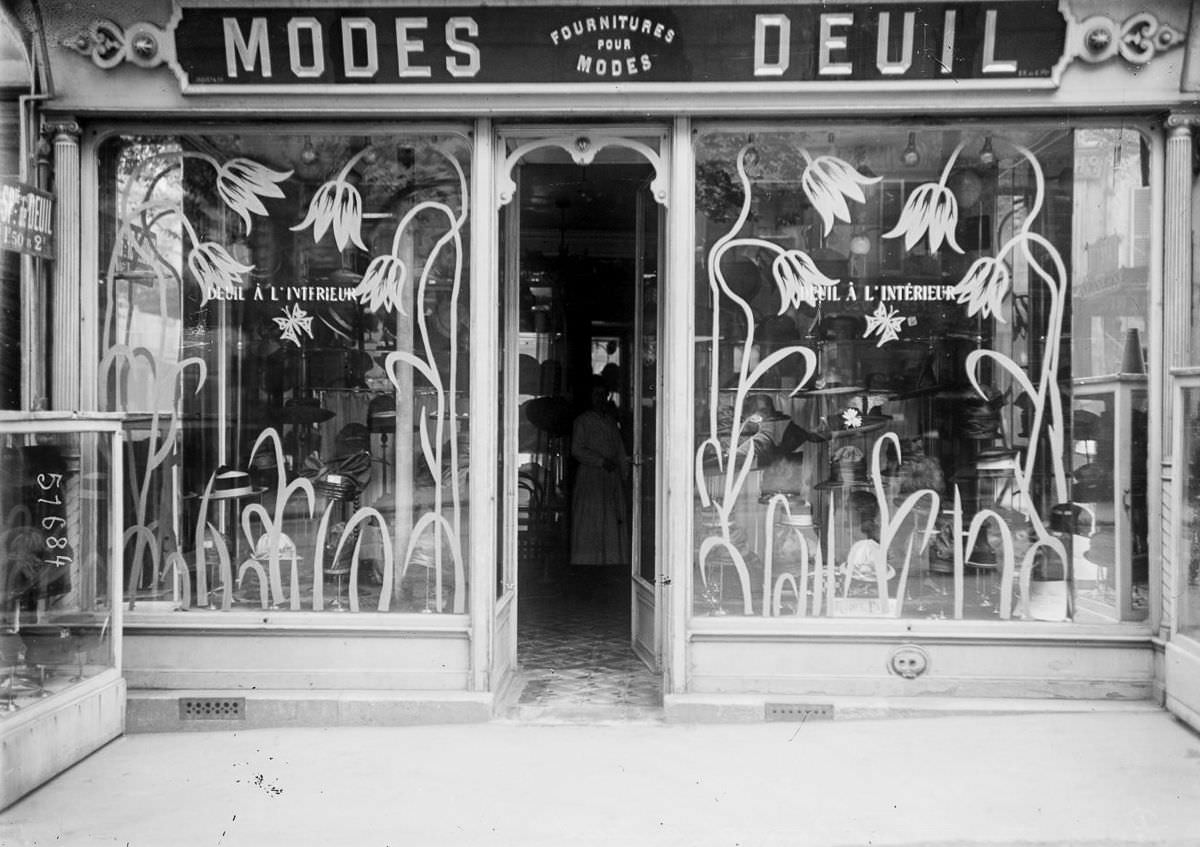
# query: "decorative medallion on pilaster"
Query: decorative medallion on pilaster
1137,39
108,45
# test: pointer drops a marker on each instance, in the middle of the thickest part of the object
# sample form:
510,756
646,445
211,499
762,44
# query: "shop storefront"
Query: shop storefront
882,301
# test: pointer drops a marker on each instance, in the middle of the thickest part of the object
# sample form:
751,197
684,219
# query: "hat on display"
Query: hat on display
763,406
551,415
742,277
529,373
229,482
847,469
841,327
978,416
381,414
352,438
785,475
304,410
861,559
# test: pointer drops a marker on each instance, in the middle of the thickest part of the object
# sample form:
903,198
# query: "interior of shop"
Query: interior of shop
586,286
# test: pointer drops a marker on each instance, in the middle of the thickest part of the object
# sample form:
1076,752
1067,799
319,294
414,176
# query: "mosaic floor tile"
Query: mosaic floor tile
574,653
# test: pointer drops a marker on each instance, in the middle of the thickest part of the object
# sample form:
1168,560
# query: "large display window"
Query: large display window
921,372
289,311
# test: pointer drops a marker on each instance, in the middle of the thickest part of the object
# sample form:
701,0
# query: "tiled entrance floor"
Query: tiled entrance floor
575,656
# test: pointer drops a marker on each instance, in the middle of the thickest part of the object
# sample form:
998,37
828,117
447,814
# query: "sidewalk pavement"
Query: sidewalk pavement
1100,778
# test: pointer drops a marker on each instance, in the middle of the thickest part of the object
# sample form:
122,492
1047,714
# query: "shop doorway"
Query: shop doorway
580,258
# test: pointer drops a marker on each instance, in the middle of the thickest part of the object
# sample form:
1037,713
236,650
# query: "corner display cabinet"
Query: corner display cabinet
1181,605
61,691
1108,438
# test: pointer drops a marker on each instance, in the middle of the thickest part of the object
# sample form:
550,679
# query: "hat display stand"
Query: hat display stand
228,488
985,477
381,421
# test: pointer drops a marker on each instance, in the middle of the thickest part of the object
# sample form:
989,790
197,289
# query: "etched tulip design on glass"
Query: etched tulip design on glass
827,182
217,271
983,288
798,279
382,286
242,182
337,205
930,210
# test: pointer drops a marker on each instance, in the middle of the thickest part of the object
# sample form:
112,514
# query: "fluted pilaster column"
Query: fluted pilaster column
1177,250
1176,351
65,283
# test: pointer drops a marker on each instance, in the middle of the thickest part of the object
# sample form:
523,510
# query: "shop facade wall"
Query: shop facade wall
179,659
955,665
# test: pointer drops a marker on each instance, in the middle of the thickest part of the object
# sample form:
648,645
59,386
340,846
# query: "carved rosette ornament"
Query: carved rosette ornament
107,44
1137,40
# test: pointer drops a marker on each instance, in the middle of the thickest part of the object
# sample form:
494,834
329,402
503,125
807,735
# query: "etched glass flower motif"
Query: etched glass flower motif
984,287
294,322
798,279
931,209
884,322
241,182
383,284
827,182
215,269
336,204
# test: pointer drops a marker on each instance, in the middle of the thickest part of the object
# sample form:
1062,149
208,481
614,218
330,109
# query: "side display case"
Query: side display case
1108,461
62,504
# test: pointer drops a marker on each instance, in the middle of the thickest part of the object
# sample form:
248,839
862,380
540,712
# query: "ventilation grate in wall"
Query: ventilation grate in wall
799,711
212,708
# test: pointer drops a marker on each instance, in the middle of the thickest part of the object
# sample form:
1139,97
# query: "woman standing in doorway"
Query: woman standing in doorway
599,519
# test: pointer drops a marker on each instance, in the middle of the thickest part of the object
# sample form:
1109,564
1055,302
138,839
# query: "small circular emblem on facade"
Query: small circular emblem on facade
908,661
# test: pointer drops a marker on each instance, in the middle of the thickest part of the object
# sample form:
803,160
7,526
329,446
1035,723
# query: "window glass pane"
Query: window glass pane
55,609
290,313
921,384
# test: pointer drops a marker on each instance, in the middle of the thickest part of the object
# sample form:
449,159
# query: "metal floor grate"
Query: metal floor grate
212,708
798,711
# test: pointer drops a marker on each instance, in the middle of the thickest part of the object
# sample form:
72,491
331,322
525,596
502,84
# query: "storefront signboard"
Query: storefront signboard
26,219
305,48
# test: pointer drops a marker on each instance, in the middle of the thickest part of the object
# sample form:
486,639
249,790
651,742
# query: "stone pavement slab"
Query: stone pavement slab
1102,779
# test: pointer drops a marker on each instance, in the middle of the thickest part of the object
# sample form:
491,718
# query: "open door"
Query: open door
646,576
503,664
580,234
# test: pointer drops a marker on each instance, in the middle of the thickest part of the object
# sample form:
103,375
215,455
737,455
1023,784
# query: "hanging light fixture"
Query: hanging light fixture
910,156
750,159
308,154
860,163
987,156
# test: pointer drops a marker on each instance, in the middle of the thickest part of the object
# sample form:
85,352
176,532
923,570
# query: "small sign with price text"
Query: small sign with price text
26,219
